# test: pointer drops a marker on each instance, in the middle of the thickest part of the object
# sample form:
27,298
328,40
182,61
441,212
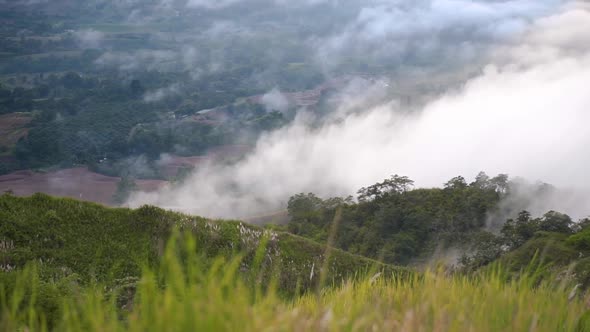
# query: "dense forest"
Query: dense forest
91,102
397,224
91,121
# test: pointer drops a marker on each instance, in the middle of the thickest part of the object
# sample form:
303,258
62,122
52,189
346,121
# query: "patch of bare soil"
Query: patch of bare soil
78,183
171,164
13,127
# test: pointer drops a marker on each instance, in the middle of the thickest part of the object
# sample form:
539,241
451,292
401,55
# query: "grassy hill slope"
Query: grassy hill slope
96,243
204,281
554,254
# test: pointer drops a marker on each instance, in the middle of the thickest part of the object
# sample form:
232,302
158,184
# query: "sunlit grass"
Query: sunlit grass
182,295
436,302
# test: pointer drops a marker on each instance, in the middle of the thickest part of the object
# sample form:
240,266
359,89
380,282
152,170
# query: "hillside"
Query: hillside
101,244
100,268
468,227
398,224
567,256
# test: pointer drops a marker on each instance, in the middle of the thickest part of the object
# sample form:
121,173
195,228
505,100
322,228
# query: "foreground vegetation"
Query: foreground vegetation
86,243
74,266
186,295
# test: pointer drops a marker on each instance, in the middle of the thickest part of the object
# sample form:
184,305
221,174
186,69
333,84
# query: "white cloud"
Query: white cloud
211,4
274,100
89,38
161,93
440,31
219,4
141,59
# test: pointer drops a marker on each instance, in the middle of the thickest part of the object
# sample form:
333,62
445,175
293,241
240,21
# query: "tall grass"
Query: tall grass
187,294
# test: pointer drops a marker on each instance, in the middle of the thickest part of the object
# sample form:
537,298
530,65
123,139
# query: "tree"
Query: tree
457,182
482,181
500,183
307,216
487,248
556,222
394,185
303,206
582,225
518,231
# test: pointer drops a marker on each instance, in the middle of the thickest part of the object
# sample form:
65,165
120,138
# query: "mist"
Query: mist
426,34
274,100
524,114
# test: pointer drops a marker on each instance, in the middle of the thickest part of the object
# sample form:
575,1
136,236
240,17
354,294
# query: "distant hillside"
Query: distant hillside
468,226
93,242
401,225
554,254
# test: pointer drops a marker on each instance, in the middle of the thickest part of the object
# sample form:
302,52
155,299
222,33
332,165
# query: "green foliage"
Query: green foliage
75,245
71,237
34,301
395,185
312,216
396,224
517,232
581,271
135,93
98,243
556,222
551,249
486,249
581,240
82,120
16,100
187,293
553,242
79,266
